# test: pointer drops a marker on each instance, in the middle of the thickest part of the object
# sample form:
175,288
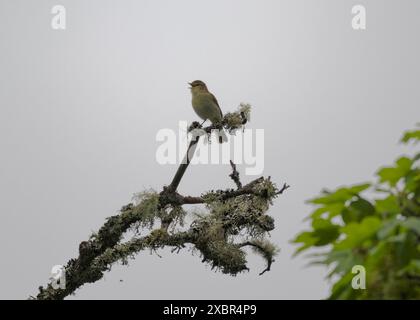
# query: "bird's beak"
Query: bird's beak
190,84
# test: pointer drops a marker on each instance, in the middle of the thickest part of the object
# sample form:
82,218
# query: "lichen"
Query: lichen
231,215
236,120
146,207
265,248
223,256
245,110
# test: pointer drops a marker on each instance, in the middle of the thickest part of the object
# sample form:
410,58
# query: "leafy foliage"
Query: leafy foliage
382,233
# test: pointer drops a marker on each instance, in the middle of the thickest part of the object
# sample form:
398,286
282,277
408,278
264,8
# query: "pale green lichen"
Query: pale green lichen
243,214
245,110
236,120
265,248
231,214
224,256
146,208
177,215
267,189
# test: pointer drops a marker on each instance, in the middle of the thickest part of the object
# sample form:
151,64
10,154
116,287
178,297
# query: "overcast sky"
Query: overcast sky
80,109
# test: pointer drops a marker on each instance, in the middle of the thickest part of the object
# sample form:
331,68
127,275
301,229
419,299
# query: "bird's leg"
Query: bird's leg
203,122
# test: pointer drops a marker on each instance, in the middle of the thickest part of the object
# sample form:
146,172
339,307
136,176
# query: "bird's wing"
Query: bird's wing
217,103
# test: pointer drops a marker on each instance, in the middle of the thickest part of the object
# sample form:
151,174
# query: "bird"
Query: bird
206,106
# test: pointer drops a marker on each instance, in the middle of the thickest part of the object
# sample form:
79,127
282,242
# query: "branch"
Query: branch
232,212
185,163
266,249
79,273
235,175
284,188
174,198
98,253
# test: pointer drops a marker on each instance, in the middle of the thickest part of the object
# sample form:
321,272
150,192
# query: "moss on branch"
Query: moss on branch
236,218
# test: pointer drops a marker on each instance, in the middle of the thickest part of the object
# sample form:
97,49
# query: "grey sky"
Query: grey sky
80,108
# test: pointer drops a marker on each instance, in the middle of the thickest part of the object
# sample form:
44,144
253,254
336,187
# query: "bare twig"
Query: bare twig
267,255
235,175
284,188
184,165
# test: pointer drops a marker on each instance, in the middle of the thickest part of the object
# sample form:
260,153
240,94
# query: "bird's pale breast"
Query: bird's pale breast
205,107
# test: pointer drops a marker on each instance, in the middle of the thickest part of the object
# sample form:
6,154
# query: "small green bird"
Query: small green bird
206,106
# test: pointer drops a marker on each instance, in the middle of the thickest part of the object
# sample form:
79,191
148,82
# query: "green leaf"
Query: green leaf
325,232
348,216
388,228
411,135
307,239
413,224
376,256
389,174
356,189
404,164
389,205
392,175
406,250
357,211
319,224
412,181
412,268
397,238
342,289
317,213
357,233
333,210
410,207
344,261
380,234
340,195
